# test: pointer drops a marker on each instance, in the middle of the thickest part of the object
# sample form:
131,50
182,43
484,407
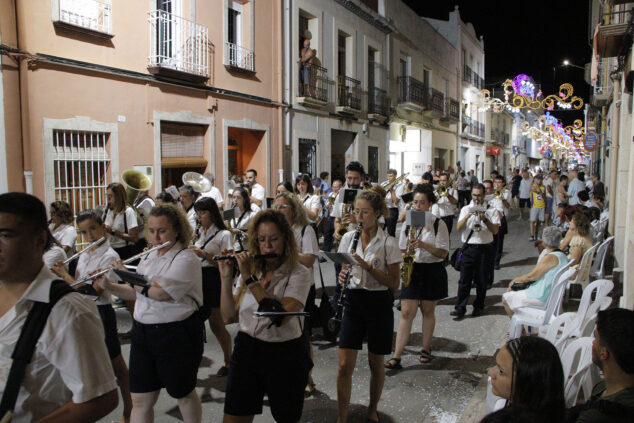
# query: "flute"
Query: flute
74,256
126,261
258,256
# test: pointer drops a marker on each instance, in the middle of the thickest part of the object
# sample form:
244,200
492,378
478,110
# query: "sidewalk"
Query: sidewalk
448,390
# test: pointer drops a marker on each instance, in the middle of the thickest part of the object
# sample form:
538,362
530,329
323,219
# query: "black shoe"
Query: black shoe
496,266
476,312
457,313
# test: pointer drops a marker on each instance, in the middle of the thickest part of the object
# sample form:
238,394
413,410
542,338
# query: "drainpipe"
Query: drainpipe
614,154
287,88
24,115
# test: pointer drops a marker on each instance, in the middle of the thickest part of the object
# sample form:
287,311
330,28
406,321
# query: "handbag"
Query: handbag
520,286
456,256
326,312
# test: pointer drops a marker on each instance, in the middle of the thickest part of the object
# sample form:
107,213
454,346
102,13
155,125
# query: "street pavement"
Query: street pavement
450,389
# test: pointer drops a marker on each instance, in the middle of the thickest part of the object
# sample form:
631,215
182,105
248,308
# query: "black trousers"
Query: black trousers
498,242
449,222
390,222
329,231
464,197
474,268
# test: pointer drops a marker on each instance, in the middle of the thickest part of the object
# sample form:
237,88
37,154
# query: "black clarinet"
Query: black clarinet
336,319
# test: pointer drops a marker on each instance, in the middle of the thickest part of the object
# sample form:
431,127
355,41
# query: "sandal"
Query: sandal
393,364
309,389
425,356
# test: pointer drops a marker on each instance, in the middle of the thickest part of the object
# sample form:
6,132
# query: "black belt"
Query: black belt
478,246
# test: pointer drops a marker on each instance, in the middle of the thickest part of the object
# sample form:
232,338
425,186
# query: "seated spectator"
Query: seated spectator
511,414
613,351
541,278
528,373
577,239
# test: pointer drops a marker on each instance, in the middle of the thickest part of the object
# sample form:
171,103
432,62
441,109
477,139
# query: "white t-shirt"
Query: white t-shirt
70,362
285,284
215,194
398,191
380,252
117,223
53,255
306,244
427,235
553,186
215,241
484,236
100,258
241,221
191,216
258,191
310,201
65,234
525,188
443,206
179,274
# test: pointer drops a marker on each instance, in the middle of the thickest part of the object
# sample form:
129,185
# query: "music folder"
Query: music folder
349,195
415,218
132,278
407,197
341,258
228,214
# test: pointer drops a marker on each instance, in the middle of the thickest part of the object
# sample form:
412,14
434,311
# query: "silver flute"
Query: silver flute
126,261
74,256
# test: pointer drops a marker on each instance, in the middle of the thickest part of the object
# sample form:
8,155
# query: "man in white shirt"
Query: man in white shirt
354,175
329,227
478,228
551,186
188,197
214,193
70,377
445,207
392,200
574,187
257,191
525,192
502,205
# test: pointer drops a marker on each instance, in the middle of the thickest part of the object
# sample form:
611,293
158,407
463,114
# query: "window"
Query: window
308,156
373,163
95,16
80,165
341,51
371,69
239,36
403,67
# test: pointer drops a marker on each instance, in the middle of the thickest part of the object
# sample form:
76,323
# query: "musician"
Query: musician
214,193
100,257
53,253
143,205
257,191
62,225
267,359
368,303
284,186
428,283
244,214
492,204
69,377
354,175
392,200
445,207
211,239
502,205
188,197
120,221
329,226
304,190
477,230
167,332
308,248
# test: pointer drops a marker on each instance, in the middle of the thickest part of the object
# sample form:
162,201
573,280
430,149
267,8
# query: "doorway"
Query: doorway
342,151
246,150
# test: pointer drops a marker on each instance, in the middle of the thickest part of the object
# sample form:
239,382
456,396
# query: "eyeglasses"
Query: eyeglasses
109,195
281,207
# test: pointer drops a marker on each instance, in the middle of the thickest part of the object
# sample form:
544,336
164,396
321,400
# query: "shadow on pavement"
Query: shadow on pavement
467,369
523,262
437,344
323,409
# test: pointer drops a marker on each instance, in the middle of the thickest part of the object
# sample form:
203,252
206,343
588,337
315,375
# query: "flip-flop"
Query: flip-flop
393,366
425,356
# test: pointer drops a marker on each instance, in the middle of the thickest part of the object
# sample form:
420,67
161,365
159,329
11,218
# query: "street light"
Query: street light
567,63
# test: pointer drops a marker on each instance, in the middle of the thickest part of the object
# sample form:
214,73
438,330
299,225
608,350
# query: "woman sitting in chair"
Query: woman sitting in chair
541,278
578,239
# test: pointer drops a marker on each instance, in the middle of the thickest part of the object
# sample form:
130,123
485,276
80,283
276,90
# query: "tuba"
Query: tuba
408,257
197,181
135,181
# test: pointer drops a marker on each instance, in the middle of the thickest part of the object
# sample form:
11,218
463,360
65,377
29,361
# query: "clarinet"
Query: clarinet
336,319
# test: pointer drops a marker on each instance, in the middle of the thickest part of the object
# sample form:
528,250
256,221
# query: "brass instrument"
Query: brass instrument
408,257
387,185
499,193
442,190
477,226
135,181
334,321
197,181
344,227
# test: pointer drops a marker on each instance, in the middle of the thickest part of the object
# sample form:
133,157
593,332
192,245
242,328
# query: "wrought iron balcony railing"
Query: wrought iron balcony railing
348,93
238,57
91,15
411,90
436,101
313,83
378,102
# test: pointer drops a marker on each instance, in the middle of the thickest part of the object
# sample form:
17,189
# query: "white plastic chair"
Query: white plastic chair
559,332
596,270
541,317
583,270
589,308
579,376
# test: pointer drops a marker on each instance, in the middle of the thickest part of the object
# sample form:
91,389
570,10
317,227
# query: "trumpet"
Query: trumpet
408,257
74,256
387,185
126,261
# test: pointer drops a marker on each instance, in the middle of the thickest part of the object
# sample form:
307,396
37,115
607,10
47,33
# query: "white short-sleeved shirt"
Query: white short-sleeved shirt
144,208
484,236
99,258
306,244
258,191
214,241
549,182
443,206
427,235
255,208
65,234
117,223
380,252
53,255
241,221
70,362
310,201
337,208
179,274
191,216
498,204
525,188
398,190
215,194
285,284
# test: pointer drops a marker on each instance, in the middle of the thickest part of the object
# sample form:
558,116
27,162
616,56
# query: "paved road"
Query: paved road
435,392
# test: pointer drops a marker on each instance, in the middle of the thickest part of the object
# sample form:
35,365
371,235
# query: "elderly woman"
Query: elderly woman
540,278
578,238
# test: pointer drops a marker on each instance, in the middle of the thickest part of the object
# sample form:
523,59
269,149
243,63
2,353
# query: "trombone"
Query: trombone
387,185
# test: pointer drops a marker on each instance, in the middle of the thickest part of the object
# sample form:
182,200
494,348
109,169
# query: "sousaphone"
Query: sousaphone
197,181
135,181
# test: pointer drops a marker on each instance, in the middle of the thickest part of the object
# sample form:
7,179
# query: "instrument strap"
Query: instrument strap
240,218
208,240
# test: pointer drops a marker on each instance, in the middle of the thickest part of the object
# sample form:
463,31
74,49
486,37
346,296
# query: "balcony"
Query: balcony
178,48
238,58
348,96
612,32
467,74
411,94
435,104
378,105
602,89
93,17
313,86
452,110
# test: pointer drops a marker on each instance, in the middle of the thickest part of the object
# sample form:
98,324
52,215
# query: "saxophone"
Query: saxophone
408,258
336,319
344,227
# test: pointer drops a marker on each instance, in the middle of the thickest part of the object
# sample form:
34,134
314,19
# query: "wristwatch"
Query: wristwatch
145,290
250,281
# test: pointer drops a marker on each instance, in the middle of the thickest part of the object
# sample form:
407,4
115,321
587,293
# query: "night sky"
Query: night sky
531,37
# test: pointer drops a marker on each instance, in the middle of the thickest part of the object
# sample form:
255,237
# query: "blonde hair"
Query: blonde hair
177,218
376,197
299,213
290,254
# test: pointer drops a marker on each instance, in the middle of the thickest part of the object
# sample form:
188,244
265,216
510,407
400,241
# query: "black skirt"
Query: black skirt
428,282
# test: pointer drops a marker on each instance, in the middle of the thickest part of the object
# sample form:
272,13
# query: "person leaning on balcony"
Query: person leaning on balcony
306,57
